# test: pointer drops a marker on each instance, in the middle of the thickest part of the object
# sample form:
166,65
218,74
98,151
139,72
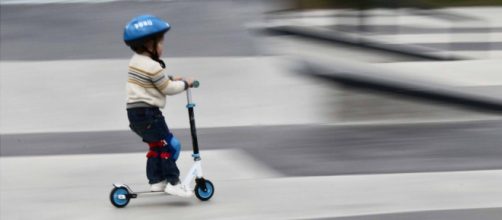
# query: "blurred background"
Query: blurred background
308,109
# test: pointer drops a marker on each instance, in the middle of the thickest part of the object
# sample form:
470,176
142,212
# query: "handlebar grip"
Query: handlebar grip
195,84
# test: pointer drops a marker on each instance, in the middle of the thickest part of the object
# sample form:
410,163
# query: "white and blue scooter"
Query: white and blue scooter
204,189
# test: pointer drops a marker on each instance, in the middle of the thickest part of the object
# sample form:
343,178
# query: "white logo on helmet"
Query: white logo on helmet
142,24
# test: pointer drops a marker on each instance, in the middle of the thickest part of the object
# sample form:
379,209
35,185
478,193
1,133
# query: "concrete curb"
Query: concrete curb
382,79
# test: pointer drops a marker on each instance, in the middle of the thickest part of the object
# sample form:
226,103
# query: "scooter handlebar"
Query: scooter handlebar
195,84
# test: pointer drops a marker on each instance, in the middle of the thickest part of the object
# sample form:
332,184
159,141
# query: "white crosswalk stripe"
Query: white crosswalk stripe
245,189
217,100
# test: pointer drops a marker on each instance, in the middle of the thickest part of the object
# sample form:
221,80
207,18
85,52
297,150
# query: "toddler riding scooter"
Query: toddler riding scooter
204,189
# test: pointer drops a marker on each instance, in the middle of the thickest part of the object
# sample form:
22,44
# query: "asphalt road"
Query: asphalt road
492,213
307,150
94,31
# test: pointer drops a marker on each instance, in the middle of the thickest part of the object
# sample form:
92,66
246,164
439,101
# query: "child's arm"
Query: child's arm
167,85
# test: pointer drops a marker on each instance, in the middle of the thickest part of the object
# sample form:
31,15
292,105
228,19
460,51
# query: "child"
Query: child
147,87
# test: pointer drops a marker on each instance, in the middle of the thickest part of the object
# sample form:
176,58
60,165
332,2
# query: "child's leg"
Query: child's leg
161,139
153,167
169,154
150,125
164,165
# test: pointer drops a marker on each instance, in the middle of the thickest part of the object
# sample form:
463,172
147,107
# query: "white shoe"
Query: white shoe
178,190
158,187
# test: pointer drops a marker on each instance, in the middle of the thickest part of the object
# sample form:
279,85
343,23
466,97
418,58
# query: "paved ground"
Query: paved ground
276,144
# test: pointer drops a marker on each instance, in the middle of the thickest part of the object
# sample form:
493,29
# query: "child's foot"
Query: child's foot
178,190
158,187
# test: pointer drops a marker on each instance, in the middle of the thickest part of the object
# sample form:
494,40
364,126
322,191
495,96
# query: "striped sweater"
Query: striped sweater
147,85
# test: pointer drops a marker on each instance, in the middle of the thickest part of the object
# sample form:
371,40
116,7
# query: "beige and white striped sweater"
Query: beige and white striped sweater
147,85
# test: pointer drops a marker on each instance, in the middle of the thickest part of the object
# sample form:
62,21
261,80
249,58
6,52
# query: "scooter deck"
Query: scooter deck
135,194
146,193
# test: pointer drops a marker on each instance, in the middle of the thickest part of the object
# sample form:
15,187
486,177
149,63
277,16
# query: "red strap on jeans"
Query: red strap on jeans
160,143
152,154
165,155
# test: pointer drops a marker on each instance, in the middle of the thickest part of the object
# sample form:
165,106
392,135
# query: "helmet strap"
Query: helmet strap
154,55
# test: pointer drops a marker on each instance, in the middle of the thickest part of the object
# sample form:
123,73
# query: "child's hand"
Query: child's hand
189,81
177,78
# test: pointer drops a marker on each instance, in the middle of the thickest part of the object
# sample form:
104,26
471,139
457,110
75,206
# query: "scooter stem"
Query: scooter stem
190,106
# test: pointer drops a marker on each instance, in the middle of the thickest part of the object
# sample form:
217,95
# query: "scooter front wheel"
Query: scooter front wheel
204,192
119,197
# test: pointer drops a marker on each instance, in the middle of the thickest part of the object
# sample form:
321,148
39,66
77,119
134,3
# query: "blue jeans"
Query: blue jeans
150,125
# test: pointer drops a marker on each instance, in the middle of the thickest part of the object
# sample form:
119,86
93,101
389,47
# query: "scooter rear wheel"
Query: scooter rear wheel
119,197
206,194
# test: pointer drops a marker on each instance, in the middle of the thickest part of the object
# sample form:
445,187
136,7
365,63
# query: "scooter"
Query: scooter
121,194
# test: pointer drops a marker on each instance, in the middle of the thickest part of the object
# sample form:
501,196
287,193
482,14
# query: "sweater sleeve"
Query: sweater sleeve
167,86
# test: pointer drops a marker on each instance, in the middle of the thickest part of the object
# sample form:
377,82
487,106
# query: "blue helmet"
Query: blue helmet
144,26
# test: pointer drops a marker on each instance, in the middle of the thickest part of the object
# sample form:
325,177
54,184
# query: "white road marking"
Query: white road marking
445,38
453,73
89,95
127,168
50,186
